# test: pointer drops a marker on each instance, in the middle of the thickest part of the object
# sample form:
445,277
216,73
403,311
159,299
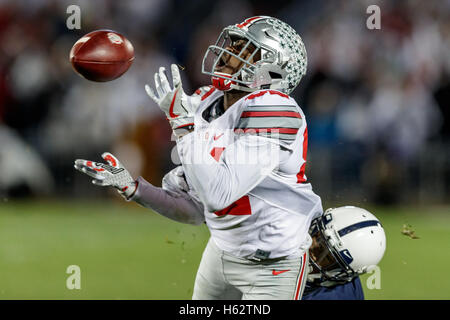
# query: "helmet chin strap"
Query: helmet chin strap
222,84
242,88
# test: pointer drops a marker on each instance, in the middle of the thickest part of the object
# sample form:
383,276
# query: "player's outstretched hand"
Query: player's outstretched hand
173,101
112,173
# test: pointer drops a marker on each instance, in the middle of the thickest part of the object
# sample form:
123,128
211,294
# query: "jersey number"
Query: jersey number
301,178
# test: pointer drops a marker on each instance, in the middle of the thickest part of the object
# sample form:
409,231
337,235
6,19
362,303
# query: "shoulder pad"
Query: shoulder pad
279,121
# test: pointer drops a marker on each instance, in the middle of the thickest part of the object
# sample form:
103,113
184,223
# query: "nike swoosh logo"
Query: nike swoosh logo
275,272
171,114
217,137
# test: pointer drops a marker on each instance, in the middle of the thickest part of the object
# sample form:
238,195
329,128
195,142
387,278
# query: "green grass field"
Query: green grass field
127,252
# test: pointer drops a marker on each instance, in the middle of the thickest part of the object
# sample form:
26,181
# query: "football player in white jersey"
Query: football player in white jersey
242,143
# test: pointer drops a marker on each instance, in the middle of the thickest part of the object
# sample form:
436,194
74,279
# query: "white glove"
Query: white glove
173,101
175,183
111,174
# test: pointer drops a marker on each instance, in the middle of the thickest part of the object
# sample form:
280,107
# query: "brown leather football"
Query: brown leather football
102,55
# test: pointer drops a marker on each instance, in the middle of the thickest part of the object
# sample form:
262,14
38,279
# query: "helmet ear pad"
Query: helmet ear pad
266,74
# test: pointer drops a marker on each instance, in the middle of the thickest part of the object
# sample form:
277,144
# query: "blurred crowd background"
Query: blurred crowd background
376,101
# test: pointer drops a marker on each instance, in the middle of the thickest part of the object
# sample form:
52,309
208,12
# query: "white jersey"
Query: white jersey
247,167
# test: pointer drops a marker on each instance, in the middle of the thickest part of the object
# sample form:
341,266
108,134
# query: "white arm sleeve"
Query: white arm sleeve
220,180
176,207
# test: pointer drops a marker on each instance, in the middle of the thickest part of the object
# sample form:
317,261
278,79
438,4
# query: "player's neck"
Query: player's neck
230,98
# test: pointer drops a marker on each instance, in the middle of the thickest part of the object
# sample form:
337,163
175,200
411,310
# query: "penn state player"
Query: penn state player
242,143
347,242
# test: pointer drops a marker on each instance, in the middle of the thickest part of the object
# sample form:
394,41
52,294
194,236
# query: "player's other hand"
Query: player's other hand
175,181
112,173
173,101
176,184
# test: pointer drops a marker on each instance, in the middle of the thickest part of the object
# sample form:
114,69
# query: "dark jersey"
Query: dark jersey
349,291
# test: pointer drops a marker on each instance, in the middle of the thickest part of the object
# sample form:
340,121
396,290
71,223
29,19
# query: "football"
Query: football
102,55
